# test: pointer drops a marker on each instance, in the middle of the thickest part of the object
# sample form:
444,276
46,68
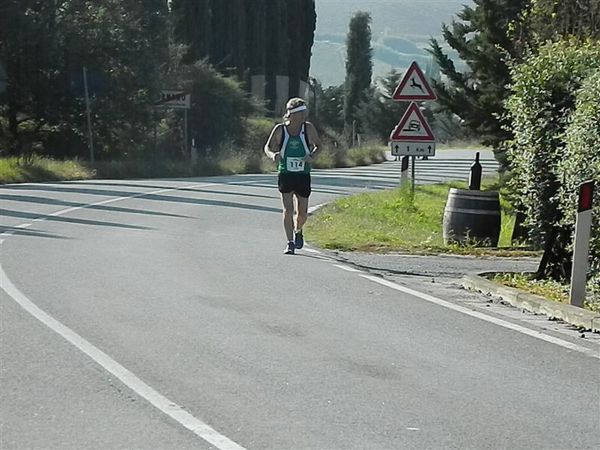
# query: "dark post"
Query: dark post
475,175
412,169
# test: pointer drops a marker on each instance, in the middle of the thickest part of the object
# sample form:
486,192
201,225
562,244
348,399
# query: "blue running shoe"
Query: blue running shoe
298,239
290,248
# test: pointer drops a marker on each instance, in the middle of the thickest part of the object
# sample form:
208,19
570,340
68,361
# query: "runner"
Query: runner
293,145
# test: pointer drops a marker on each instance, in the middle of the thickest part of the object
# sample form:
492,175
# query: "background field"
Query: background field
401,30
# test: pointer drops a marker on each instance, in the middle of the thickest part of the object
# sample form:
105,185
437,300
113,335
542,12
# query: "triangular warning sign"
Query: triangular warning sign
412,127
414,86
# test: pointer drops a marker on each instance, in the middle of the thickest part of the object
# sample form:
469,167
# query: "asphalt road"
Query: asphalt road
169,318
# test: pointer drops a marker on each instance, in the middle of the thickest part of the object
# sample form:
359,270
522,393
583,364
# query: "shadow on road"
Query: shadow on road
29,232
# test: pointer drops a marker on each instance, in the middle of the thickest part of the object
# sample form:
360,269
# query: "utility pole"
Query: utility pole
89,116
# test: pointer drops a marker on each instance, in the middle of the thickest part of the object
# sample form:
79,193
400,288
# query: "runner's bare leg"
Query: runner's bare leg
287,200
301,211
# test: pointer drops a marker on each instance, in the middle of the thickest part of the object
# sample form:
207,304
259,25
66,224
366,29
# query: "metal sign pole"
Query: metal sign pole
89,116
412,170
185,133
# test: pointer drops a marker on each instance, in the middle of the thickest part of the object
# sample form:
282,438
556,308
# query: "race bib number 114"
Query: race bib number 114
295,164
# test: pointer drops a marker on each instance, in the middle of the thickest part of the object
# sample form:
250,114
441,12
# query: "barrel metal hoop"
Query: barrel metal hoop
486,212
479,199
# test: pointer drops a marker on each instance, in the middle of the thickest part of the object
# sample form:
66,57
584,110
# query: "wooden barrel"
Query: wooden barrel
472,217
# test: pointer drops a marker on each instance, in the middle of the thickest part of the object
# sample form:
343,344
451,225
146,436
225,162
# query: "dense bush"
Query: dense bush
582,161
219,105
544,93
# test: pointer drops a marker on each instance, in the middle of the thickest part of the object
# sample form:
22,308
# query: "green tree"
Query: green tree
192,26
256,36
47,44
380,113
219,105
551,20
28,46
581,162
359,69
540,109
276,60
330,107
477,94
301,29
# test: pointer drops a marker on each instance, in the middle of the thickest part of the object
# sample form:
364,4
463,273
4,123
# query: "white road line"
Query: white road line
159,401
482,316
347,268
311,250
162,403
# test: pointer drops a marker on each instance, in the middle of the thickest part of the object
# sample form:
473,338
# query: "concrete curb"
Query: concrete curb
534,303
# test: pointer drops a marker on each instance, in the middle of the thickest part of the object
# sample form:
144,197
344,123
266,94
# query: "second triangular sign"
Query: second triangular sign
414,86
412,127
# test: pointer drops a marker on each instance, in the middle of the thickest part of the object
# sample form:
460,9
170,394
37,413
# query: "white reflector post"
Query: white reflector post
583,227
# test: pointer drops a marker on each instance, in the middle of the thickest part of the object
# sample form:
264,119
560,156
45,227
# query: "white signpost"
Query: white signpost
583,227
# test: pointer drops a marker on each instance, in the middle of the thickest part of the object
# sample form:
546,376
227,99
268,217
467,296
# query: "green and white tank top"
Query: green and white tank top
293,151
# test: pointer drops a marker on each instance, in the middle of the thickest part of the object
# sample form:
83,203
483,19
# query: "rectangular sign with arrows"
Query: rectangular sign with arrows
403,148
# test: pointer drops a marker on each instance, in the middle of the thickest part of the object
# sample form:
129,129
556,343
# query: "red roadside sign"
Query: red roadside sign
586,196
413,127
414,86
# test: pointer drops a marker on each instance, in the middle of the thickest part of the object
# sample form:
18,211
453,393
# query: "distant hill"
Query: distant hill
401,31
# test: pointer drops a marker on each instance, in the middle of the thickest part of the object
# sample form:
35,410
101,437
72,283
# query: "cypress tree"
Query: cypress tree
359,68
193,27
301,28
276,60
256,34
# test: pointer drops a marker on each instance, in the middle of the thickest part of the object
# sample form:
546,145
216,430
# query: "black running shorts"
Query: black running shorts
298,183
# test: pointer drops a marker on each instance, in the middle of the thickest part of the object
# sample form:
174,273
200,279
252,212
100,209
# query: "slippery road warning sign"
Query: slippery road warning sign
414,86
412,127
412,136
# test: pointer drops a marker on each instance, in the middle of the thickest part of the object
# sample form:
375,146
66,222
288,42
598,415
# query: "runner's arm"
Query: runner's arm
274,143
314,139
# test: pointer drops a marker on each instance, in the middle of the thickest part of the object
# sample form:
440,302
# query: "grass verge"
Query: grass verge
395,221
226,161
548,289
39,169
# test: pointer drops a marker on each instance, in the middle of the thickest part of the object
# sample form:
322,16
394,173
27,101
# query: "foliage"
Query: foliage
379,113
549,289
124,45
45,46
36,169
543,96
219,104
359,68
329,107
581,162
243,38
546,20
226,159
477,95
